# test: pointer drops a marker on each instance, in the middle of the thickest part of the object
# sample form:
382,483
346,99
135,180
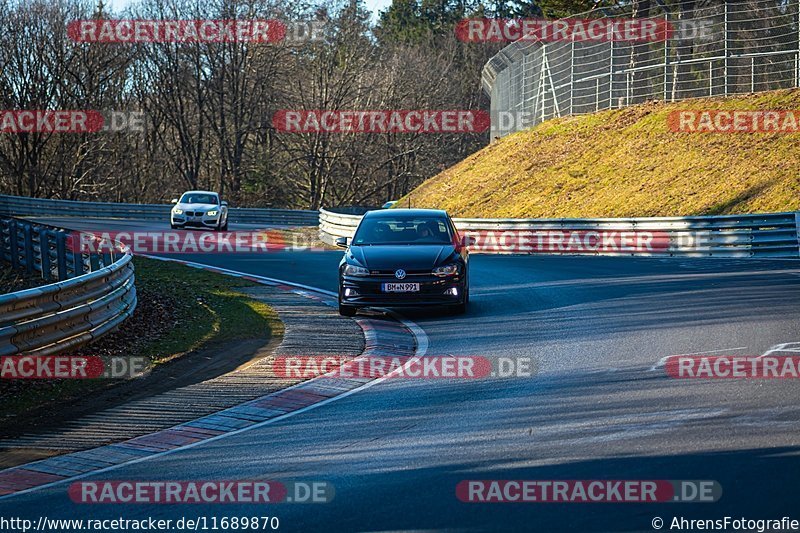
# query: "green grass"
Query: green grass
211,308
626,163
181,309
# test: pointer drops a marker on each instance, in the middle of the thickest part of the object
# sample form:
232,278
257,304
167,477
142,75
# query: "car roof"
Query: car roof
391,213
199,192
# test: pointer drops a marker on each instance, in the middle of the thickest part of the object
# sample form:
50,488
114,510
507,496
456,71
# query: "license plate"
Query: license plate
400,287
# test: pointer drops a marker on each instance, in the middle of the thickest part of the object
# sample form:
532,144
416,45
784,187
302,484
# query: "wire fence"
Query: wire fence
716,49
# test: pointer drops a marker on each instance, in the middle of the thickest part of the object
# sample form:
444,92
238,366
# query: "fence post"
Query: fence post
61,255
26,232
710,77
666,59
44,247
597,95
752,74
628,77
725,49
571,75
611,78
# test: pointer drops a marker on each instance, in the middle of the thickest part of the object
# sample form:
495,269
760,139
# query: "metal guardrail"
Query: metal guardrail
69,313
759,235
24,206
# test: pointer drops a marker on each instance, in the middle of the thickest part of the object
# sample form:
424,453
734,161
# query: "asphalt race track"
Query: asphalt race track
599,406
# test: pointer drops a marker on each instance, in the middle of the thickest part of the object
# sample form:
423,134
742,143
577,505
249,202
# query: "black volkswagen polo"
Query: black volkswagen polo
404,257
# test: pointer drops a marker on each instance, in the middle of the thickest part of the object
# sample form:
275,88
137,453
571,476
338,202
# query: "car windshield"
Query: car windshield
199,198
403,230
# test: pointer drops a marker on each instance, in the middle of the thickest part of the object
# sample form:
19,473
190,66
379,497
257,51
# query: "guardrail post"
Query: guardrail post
13,244
44,246
26,232
797,224
61,255
77,262
3,245
94,262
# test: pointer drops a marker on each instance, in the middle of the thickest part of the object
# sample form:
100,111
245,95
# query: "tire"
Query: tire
225,227
347,310
173,226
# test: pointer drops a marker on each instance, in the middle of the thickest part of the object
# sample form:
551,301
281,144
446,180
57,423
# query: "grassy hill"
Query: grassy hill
626,163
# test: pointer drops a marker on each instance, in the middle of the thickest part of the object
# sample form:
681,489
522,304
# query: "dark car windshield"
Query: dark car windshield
403,230
194,198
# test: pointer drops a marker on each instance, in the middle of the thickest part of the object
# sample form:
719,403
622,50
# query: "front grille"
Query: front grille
408,272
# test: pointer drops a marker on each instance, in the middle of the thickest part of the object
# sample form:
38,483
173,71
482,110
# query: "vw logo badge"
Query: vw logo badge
400,273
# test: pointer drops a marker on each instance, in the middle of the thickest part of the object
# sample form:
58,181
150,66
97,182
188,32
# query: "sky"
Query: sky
372,5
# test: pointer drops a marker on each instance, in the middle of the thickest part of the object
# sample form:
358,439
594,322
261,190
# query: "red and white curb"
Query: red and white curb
400,338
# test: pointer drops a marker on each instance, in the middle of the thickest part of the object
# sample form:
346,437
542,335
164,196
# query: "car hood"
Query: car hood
407,257
196,207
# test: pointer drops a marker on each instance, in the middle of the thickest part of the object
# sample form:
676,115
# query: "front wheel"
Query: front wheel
225,227
347,310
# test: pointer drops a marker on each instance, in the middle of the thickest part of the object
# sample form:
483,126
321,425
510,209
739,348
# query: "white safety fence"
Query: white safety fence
715,48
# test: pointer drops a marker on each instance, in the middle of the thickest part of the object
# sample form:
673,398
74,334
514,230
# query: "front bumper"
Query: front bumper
201,221
358,291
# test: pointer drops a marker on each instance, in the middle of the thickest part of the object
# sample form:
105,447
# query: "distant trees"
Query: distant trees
209,106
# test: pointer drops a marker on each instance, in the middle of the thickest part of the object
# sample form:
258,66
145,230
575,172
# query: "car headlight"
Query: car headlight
352,270
212,213
177,211
446,270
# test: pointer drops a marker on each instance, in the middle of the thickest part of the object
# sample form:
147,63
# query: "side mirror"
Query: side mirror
341,242
174,200
224,203
467,240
